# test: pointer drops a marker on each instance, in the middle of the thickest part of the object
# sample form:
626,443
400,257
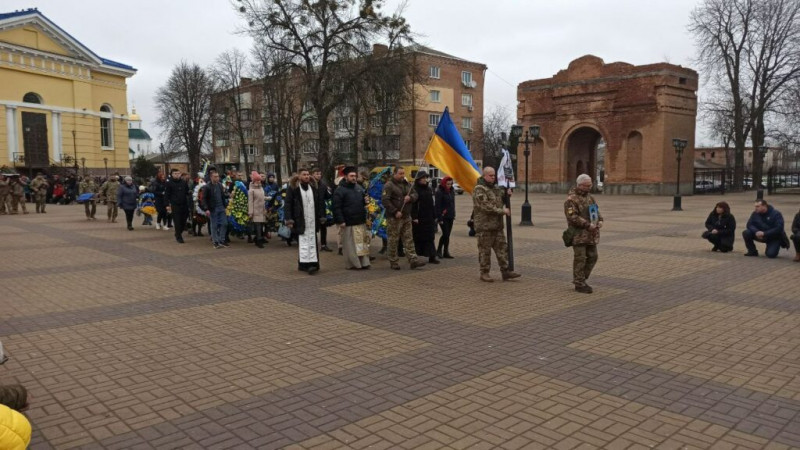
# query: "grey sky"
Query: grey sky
517,39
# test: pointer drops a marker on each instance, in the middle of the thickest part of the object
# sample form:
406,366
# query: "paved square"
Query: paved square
129,340
511,408
740,346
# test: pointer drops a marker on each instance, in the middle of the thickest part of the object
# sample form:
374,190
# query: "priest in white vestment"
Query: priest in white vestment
304,213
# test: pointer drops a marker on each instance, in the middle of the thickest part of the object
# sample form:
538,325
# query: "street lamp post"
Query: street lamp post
75,150
762,153
83,163
531,134
105,163
679,145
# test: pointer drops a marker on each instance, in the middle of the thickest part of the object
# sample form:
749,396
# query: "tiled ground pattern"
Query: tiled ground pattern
128,340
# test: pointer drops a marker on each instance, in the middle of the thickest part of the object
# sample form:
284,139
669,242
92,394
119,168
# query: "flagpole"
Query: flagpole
507,201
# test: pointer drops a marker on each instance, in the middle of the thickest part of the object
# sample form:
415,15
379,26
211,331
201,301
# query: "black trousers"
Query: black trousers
179,216
796,241
447,227
323,236
129,216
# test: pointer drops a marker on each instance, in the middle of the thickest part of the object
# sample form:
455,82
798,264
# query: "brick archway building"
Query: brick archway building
614,121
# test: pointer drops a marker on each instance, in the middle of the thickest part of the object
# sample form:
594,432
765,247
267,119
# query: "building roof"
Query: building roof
138,133
170,157
429,51
35,14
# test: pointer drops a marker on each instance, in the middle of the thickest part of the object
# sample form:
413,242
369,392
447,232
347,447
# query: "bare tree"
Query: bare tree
184,110
235,101
496,122
330,44
754,46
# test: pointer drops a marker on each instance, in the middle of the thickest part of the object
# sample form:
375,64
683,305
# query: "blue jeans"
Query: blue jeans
773,245
219,225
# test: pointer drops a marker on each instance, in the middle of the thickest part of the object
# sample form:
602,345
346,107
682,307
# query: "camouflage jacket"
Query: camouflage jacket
392,197
487,202
39,186
17,189
87,186
108,191
5,187
576,208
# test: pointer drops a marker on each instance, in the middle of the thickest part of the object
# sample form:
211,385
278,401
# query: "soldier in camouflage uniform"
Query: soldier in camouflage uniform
397,197
90,206
39,187
5,195
109,193
488,211
587,231
17,195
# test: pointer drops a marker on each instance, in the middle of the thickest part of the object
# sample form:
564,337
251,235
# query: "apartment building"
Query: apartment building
363,138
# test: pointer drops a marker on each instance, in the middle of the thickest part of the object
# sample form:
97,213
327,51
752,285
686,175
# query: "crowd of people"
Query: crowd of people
406,215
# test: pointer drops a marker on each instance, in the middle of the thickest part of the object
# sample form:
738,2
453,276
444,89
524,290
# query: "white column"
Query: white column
56,136
11,128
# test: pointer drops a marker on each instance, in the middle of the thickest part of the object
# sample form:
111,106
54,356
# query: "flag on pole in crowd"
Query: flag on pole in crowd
448,152
505,173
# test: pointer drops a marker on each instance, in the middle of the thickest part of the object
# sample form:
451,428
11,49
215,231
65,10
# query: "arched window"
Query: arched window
703,155
32,97
713,154
106,127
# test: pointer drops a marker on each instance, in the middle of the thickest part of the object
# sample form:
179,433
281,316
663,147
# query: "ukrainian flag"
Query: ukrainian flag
448,152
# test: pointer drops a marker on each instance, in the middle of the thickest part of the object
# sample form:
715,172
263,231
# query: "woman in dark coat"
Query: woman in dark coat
423,217
720,227
159,188
445,215
127,200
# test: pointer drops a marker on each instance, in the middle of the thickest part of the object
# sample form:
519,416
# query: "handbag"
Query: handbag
285,232
568,235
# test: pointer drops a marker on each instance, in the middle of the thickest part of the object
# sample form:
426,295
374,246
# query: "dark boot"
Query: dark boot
439,250
260,243
446,254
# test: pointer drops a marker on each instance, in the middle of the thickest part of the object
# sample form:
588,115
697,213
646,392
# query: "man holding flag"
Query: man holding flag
489,208
448,152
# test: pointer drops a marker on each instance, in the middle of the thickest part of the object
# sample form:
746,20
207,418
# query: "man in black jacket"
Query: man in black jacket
350,213
177,198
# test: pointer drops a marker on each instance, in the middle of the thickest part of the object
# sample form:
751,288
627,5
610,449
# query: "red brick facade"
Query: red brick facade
635,111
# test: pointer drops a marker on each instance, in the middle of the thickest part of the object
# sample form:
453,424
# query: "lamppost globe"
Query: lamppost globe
534,131
516,131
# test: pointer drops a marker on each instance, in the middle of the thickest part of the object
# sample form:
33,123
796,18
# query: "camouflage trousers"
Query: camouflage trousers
90,207
5,204
488,241
41,202
583,263
398,229
112,210
18,201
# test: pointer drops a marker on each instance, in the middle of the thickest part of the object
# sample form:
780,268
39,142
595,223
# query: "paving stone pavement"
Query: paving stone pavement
128,340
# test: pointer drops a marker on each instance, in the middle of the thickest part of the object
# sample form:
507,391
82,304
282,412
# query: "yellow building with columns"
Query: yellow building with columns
61,105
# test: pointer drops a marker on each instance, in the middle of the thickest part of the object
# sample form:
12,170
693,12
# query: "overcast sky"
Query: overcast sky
518,40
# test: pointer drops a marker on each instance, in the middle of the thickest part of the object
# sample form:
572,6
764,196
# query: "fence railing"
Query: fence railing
783,182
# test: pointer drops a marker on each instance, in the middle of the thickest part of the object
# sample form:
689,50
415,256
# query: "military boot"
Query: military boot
417,263
394,266
485,277
509,275
583,288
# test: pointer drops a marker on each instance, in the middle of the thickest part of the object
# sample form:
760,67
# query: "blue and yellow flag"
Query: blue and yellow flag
448,152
